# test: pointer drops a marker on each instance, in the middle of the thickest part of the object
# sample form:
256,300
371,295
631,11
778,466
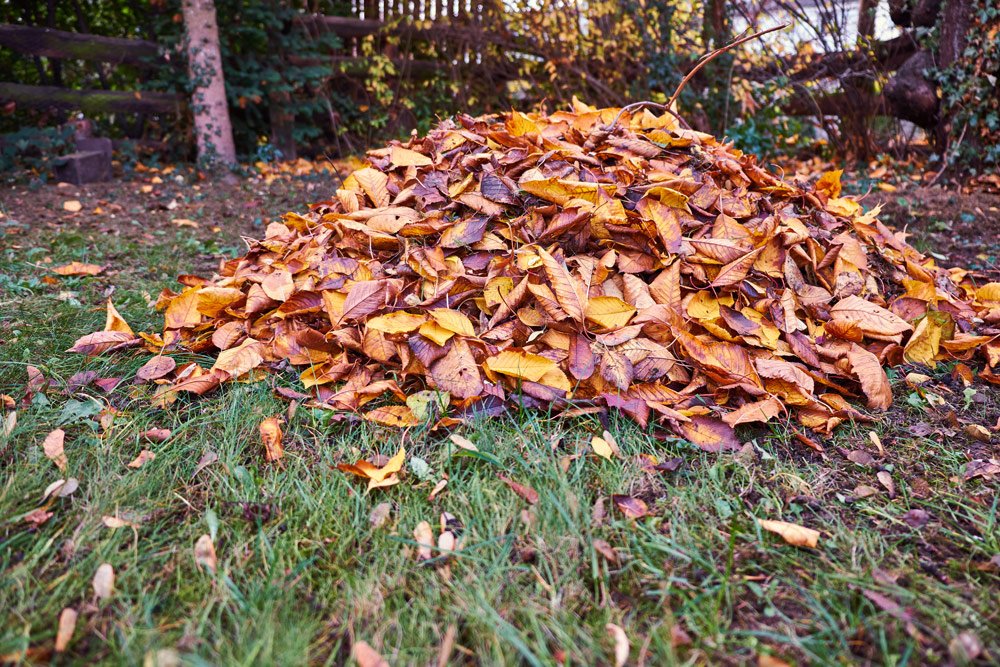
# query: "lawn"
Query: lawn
308,565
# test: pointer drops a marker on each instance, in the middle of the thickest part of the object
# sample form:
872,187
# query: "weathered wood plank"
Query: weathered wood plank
90,101
61,44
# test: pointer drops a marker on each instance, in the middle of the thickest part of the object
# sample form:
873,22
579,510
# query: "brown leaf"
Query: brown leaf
270,437
633,508
568,291
144,457
525,492
53,447
156,368
204,553
870,373
366,656
67,624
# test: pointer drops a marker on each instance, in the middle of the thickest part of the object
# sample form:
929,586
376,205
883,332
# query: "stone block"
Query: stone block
83,167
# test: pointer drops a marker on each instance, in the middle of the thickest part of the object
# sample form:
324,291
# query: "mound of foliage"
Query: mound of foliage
578,261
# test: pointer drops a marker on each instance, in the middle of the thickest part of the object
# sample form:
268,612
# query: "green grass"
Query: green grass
302,573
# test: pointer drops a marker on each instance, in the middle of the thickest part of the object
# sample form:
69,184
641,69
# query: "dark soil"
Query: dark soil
959,229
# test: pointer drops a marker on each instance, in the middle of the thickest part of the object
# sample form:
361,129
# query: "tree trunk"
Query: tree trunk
213,128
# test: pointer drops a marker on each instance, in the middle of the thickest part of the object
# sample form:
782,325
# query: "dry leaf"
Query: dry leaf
425,540
67,624
621,643
72,205
366,656
270,437
204,553
793,534
144,457
633,508
525,492
104,581
53,447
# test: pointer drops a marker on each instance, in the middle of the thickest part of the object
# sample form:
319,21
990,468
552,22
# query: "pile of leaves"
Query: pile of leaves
573,262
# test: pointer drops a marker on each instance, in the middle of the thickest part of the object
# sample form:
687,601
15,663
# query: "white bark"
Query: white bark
213,128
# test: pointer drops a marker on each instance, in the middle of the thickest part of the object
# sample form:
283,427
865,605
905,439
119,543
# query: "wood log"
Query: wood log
912,95
73,45
888,54
90,102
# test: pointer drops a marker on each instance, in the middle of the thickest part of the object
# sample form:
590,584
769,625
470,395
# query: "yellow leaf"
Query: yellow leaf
72,205
601,447
792,533
212,301
988,292
519,125
404,157
78,269
843,206
609,312
560,192
453,320
396,322
829,183
115,322
435,332
182,312
496,290
524,365
925,343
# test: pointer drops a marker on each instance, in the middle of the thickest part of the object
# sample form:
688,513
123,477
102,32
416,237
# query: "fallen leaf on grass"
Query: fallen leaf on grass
605,446
156,434
64,633
62,488
633,508
605,549
270,436
156,368
115,522
366,656
104,581
53,448
985,468
144,457
377,477
78,269
204,553
37,517
621,643
379,515
792,533
425,540
72,205
525,492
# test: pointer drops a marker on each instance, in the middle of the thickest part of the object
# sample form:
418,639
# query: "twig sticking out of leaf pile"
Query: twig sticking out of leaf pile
528,260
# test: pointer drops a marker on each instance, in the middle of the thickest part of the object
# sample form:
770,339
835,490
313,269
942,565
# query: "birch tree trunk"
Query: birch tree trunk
213,129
